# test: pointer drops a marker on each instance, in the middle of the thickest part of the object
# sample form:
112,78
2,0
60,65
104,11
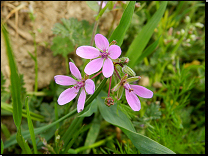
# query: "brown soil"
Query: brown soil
47,14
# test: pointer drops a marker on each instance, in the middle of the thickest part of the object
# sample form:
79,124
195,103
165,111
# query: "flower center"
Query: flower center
80,84
103,54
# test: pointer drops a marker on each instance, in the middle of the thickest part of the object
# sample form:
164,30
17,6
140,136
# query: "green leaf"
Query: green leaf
148,51
15,81
141,40
2,82
78,32
93,132
2,147
31,55
125,21
116,117
30,125
62,46
34,116
23,144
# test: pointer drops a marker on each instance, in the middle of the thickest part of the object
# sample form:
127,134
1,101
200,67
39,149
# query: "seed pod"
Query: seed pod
127,70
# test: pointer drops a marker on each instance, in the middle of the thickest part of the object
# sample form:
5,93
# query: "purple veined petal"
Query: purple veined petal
67,95
108,68
142,91
93,66
89,86
81,101
132,100
87,52
75,71
101,42
114,51
64,80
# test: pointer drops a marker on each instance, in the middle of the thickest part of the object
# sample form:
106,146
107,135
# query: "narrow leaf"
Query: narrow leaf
2,147
23,144
15,81
148,51
90,109
93,132
31,128
141,40
125,21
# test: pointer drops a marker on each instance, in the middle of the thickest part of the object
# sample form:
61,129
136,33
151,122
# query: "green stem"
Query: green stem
97,144
36,63
67,65
95,26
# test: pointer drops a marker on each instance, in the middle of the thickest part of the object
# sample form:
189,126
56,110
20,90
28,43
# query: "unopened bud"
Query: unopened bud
124,60
193,37
127,70
199,25
187,19
182,31
137,5
113,42
133,79
109,101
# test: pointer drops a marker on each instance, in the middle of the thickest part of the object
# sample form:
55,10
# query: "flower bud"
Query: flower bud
182,31
133,79
124,60
199,25
187,19
113,42
109,101
127,70
193,37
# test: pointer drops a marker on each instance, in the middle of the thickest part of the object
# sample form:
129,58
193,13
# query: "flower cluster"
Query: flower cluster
105,56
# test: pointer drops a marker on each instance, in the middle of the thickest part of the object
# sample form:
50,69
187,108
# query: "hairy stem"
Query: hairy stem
96,75
95,26
109,86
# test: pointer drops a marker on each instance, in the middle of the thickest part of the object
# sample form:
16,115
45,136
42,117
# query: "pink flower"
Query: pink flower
70,93
104,3
103,54
131,92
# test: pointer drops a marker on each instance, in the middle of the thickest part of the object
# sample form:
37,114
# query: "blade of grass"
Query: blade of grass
148,51
2,147
141,40
22,142
93,132
34,116
15,81
120,31
30,125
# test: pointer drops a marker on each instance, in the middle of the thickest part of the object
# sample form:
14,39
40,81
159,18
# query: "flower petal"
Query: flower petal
114,51
108,68
93,66
89,86
81,101
75,71
142,91
87,52
101,42
132,100
64,80
67,95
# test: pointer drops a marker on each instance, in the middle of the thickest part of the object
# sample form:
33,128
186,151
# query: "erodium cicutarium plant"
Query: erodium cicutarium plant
105,56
